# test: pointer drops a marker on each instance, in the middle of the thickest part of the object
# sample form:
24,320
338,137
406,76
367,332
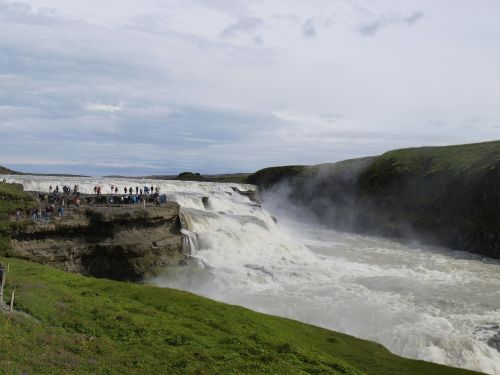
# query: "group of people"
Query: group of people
66,190
131,198
138,190
46,213
59,198
133,195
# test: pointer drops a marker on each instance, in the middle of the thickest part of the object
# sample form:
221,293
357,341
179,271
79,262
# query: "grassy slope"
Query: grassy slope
424,161
86,325
12,198
420,161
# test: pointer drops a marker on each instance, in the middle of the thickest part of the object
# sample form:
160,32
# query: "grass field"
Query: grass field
83,325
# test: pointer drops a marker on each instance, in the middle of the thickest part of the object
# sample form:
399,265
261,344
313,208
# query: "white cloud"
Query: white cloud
97,107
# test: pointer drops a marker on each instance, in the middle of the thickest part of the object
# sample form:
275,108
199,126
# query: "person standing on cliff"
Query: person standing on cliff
18,215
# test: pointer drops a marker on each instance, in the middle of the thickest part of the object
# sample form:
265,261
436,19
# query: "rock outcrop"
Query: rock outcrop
122,243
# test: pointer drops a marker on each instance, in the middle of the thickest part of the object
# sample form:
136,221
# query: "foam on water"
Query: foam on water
420,302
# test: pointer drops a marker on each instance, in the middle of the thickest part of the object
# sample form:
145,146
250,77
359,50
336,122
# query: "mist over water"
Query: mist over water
419,301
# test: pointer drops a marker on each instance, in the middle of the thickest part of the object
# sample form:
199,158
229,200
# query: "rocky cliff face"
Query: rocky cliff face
448,196
123,243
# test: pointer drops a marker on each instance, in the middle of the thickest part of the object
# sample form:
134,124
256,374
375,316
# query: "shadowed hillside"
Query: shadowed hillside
4,170
445,195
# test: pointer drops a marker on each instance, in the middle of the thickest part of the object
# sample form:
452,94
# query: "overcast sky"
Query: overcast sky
164,86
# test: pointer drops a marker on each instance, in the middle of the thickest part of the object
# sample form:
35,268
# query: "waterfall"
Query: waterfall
420,302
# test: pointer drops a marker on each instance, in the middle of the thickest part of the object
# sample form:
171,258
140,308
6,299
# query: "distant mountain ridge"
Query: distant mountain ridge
4,170
193,176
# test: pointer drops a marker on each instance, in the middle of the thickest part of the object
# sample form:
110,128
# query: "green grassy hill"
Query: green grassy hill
83,325
444,195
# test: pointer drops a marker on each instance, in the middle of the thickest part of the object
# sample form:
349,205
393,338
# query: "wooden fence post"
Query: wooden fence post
2,283
11,302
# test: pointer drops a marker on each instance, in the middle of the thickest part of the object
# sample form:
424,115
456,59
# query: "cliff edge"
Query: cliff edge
116,242
448,195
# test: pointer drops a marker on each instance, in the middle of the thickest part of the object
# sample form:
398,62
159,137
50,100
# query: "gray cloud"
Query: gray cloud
24,13
373,27
309,28
331,117
242,26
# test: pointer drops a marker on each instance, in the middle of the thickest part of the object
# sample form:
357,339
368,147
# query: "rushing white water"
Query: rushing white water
420,302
